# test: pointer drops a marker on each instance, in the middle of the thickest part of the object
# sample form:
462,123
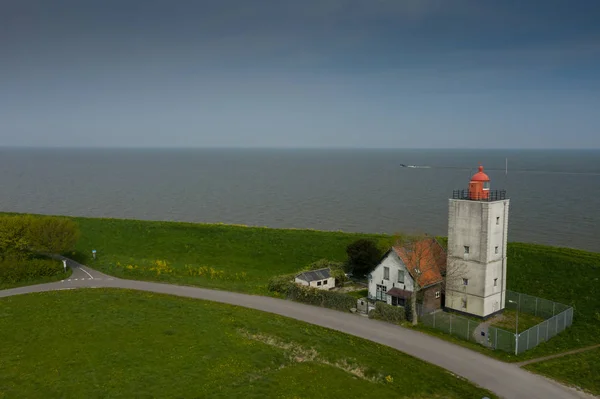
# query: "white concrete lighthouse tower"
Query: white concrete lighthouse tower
477,237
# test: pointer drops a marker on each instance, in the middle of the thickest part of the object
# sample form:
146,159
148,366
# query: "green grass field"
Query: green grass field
235,258
509,321
580,369
243,259
239,258
99,343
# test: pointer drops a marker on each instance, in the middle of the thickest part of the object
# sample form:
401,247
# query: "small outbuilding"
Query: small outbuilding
320,279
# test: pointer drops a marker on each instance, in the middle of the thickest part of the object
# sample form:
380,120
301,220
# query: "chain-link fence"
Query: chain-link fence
558,317
452,324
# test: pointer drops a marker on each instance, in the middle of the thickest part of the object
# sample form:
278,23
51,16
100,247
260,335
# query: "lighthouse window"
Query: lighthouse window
495,282
466,249
486,185
465,281
497,220
496,249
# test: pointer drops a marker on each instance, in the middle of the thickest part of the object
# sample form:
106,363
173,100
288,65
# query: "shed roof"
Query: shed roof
312,275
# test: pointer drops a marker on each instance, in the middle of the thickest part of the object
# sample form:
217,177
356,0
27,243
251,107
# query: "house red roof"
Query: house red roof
424,259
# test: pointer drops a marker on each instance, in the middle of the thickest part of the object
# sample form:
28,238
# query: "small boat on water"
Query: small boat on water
414,166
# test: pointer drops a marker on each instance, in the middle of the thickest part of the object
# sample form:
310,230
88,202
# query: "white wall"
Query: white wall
393,261
473,224
330,283
300,281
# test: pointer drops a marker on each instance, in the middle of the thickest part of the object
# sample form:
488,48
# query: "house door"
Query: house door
380,294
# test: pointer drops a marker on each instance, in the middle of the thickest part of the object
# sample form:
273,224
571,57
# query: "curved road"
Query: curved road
505,379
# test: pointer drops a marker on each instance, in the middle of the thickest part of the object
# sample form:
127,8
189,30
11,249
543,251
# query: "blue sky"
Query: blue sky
280,73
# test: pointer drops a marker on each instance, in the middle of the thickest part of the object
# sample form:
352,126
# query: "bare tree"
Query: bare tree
425,259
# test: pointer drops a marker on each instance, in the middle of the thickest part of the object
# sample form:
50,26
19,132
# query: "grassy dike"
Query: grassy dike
239,258
122,344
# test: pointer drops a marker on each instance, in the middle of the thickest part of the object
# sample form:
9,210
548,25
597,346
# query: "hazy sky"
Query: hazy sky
310,73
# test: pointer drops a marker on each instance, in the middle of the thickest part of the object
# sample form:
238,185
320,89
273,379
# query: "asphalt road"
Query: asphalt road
505,379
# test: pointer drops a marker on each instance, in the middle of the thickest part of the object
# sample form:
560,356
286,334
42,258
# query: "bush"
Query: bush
323,298
328,299
14,237
281,283
363,256
15,270
54,235
385,312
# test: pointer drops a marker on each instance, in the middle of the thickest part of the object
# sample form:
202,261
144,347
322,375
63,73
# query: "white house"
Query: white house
393,280
320,279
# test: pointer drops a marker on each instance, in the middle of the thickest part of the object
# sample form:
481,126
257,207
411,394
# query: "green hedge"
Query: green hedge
281,283
15,270
327,299
385,312
312,296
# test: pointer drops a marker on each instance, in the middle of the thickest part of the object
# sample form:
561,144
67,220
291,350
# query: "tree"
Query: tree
421,254
52,235
363,256
14,238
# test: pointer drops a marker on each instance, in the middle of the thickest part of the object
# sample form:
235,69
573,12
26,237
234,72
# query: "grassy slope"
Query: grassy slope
581,369
260,253
101,343
560,274
564,275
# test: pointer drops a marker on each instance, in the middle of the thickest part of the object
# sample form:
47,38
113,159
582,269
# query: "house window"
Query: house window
464,303
465,281
496,249
386,273
495,282
466,249
318,283
397,301
437,294
380,293
497,220
401,276
324,282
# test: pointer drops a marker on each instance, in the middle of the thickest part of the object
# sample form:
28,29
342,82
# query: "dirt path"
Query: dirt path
543,359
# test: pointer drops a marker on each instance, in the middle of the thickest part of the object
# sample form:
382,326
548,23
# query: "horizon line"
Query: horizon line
295,148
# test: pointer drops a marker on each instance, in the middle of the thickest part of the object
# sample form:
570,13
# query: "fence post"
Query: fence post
547,329
468,328
553,307
527,345
434,319
556,326
450,323
496,343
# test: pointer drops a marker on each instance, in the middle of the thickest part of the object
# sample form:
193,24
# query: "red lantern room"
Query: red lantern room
479,187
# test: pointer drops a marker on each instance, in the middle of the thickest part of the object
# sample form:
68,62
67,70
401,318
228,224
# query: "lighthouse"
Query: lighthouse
477,238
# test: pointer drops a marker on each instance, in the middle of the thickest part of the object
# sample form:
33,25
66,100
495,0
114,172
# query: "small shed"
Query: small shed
320,279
